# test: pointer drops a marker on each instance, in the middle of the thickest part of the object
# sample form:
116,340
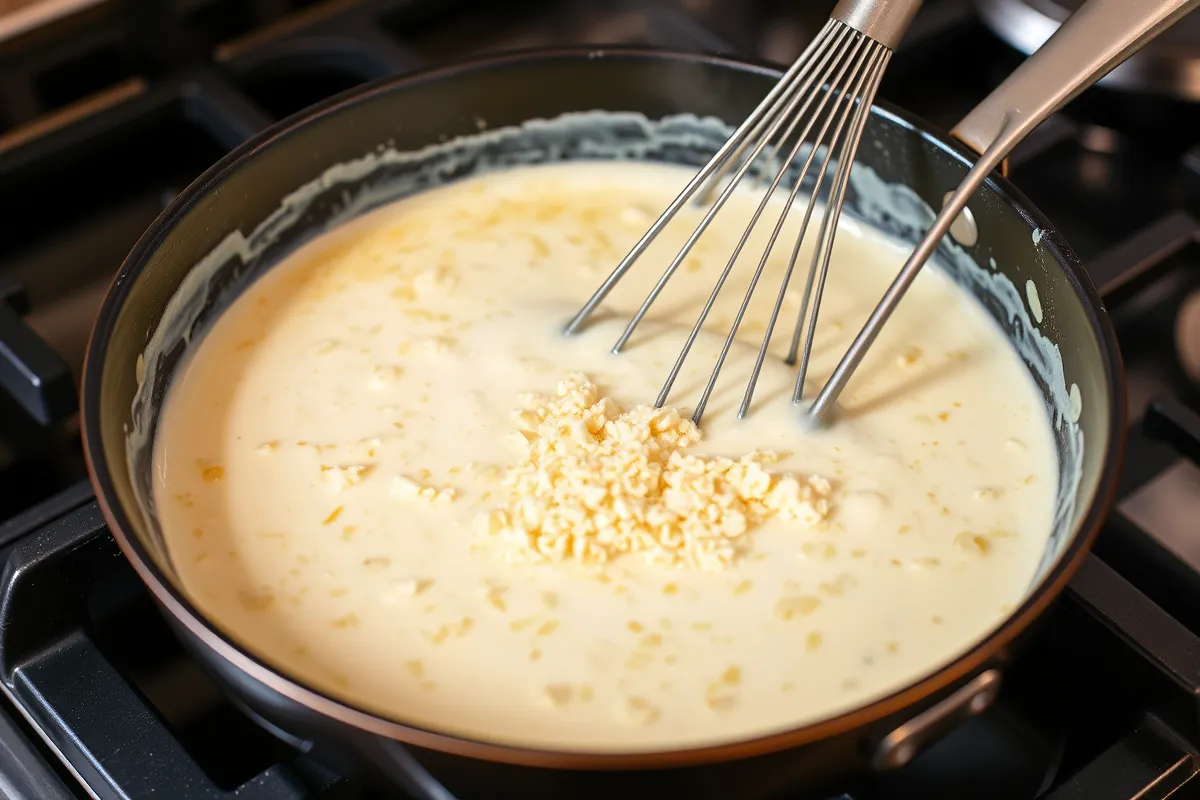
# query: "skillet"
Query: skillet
346,155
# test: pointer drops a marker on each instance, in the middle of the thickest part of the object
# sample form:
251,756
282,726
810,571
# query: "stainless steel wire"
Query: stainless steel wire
830,88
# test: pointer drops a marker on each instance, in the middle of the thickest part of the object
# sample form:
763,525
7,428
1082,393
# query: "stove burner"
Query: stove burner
1168,66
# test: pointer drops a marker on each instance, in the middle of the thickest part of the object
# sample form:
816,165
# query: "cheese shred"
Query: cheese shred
594,482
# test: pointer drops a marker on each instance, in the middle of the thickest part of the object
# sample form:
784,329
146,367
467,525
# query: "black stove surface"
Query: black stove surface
107,115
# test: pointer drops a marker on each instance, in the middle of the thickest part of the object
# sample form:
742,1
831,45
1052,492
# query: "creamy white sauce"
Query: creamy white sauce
400,342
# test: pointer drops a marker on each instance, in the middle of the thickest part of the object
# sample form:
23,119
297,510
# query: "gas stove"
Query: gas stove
108,109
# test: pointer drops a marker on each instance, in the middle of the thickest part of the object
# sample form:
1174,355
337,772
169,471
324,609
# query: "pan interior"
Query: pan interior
212,251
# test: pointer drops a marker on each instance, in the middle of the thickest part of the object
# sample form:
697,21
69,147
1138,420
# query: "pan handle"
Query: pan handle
904,743
1093,40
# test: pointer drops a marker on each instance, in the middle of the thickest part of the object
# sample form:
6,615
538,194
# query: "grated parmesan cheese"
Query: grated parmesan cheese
595,482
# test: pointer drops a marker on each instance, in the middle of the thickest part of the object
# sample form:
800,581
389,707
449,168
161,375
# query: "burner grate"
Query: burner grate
103,678
84,110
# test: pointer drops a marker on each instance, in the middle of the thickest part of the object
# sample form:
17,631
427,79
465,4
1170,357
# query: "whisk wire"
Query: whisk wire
842,94
762,112
831,86
773,320
806,294
788,112
823,46
833,211
721,281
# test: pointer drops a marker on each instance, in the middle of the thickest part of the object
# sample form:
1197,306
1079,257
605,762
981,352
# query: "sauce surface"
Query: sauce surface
391,353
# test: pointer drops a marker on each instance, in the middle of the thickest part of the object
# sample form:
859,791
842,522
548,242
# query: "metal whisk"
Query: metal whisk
831,87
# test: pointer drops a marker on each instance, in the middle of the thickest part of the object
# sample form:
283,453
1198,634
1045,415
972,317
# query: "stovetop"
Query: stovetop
108,109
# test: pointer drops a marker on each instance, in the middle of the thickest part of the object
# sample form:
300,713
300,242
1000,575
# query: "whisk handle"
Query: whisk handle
885,21
1093,40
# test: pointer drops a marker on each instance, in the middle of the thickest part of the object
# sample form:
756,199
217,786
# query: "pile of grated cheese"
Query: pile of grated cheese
594,482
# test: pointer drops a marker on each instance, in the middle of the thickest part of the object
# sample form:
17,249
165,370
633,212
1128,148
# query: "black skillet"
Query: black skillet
418,110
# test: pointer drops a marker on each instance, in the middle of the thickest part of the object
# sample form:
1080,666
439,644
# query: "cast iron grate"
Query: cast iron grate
100,126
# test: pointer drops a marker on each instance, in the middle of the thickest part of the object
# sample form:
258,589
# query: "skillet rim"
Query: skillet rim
986,652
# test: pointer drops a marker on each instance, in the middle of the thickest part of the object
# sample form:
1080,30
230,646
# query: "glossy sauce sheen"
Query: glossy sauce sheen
399,345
